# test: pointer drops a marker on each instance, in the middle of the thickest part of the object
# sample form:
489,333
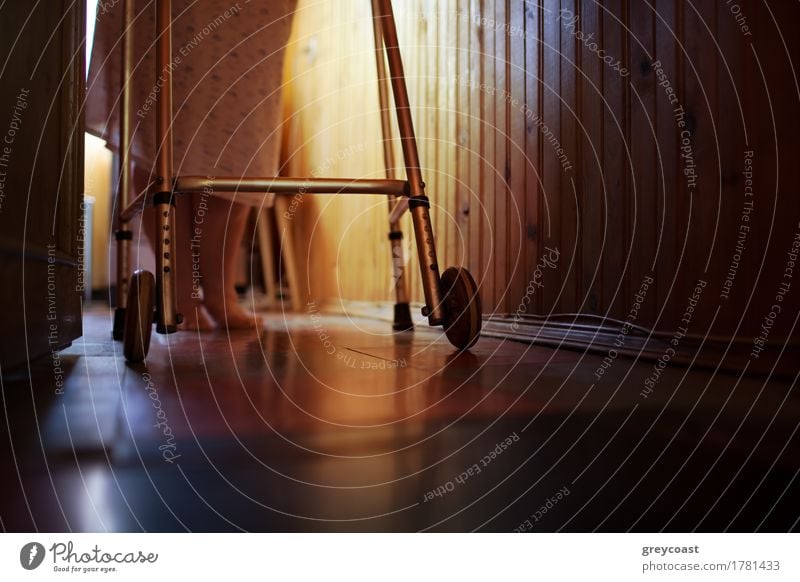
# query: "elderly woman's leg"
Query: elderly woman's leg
221,242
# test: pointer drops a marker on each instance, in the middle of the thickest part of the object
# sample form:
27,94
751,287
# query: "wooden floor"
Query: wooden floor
334,424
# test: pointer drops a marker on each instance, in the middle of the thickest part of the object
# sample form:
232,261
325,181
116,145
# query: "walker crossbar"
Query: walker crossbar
248,186
291,185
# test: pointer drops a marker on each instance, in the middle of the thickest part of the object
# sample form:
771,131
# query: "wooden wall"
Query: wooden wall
41,180
530,141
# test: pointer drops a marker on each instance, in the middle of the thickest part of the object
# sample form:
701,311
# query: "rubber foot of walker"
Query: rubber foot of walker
166,329
118,332
402,317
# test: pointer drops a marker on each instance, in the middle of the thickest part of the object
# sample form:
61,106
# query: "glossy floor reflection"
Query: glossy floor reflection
334,424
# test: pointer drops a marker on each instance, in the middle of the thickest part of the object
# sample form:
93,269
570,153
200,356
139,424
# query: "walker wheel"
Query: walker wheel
139,316
462,307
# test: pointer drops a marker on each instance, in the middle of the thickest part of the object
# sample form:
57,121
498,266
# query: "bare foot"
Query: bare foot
196,319
234,316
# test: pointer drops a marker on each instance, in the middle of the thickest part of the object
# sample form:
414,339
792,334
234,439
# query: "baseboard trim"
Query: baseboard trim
713,353
721,353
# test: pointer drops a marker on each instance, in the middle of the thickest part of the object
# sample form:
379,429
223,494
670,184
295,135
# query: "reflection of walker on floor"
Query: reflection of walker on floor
451,300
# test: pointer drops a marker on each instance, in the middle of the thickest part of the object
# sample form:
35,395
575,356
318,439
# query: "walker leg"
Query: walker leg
167,317
418,204
402,311
123,234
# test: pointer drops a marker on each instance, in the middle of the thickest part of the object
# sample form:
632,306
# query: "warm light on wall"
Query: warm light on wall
97,184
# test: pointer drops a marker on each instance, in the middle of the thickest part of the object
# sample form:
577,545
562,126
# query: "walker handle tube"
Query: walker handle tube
123,235
167,317
418,203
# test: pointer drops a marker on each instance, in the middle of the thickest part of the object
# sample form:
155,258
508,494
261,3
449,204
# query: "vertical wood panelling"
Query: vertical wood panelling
515,106
698,101
533,191
667,53
516,155
570,181
592,194
551,168
462,121
616,163
473,79
779,164
500,192
643,191
488,166
732,155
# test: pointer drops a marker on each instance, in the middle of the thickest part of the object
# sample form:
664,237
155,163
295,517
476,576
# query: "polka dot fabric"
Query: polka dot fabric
227,61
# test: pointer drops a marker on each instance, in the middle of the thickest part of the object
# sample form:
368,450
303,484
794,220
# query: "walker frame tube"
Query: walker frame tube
123,235
418,205
253,186
402,313
166,185
167,318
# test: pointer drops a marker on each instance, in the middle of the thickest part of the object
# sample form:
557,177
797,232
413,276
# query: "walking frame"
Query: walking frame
451,300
